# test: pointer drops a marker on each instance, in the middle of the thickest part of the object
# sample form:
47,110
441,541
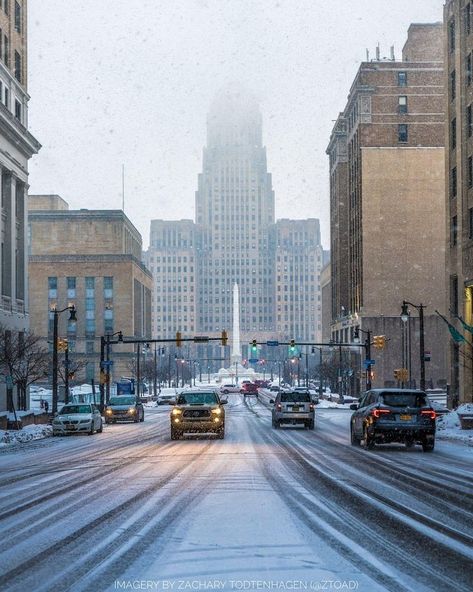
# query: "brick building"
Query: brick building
387,206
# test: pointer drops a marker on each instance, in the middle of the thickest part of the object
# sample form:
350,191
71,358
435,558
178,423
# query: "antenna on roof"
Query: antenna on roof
377,53
367,55
123,187
393,58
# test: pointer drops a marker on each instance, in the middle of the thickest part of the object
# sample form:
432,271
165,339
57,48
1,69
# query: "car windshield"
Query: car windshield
122,401
295,398
197,399
75,409
404,399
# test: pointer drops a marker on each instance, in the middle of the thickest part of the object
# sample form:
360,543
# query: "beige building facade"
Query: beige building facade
387,208
92,259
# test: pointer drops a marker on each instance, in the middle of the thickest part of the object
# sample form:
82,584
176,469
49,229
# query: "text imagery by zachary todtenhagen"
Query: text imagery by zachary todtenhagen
236,585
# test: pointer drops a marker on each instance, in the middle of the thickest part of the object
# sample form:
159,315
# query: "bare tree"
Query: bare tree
25,357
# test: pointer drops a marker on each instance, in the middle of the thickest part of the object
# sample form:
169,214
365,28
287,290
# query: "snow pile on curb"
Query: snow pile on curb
448,426
324,404
32,432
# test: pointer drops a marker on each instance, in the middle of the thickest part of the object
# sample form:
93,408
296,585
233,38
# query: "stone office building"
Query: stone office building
92,259
17,146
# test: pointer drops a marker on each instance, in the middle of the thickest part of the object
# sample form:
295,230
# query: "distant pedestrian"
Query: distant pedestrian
41,402
46,406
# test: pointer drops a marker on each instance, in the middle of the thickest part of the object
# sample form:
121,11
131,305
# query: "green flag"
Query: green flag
456,335
466,326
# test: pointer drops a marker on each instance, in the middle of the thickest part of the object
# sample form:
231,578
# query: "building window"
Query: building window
71,287
470,171
17,17
470,223
469,121
451,35
453,82
18,109
468,70
402,78
402,132
52,287
89,347
402,107
453,187
468,19
453,133
6,6
453,231
6,51
108,287
17,66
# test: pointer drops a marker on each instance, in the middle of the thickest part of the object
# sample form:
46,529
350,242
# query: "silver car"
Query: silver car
76,419
293,408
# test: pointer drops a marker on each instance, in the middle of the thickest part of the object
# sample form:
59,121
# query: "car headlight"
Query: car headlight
132,410
217,411
176,411
109,411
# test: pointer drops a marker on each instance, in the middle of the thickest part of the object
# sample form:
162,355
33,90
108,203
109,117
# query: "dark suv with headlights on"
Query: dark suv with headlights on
198,412
124,408
393,415
292,407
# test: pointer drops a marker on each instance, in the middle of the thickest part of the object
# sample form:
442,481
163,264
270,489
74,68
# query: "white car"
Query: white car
75,419
225,389
166,398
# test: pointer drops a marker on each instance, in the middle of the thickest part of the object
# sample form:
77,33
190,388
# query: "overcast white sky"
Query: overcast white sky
130,81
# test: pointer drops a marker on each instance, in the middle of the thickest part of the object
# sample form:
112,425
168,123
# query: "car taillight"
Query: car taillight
311,407
279,406
377,413
430,413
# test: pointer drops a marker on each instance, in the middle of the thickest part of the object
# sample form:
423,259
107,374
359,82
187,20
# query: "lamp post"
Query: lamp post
72,317
356,339
405,318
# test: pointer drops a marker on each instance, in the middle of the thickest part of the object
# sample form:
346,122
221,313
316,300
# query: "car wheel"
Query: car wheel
221,433
92,429
100,430
277,424
142,417
225,392
311,425
428,446
137,419
354,440
409,443
368,441
175,434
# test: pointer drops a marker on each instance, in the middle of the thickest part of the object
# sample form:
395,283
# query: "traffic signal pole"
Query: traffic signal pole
368,359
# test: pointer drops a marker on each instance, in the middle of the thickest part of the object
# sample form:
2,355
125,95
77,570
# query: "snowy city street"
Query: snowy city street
262,509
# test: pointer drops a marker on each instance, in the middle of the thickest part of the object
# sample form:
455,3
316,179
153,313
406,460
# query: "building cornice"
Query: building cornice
17,134
99,258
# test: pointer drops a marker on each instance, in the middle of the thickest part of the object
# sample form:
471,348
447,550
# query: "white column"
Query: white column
236,350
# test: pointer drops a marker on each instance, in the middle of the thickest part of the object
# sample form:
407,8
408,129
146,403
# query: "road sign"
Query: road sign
427,355
367,363
201,338
272,343
106,363
253,360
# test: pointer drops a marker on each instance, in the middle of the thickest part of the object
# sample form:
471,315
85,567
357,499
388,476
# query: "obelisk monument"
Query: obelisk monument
236,349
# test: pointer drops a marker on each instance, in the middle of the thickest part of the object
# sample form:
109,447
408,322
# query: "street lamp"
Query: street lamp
405,318
72,317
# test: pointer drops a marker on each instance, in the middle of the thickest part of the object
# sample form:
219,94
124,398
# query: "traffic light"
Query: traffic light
401,374
62,345
397,374
178,339
70,375
254,346
224,337
292,347
379,341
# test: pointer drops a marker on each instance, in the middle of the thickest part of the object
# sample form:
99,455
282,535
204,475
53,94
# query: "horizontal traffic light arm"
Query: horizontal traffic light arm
314,343
195,339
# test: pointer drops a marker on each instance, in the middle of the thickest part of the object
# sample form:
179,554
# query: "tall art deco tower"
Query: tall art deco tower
234,214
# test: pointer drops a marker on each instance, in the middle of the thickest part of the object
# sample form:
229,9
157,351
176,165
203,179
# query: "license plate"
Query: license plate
70,427
405,417
295,408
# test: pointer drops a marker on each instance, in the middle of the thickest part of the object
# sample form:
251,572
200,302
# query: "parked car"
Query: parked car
293,408
225,389
198,411
124,408
393,415
74,419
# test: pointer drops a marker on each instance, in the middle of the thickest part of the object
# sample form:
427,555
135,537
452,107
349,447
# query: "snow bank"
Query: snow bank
32,432
448,426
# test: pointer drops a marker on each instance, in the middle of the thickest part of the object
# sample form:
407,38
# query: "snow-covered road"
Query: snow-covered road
263,509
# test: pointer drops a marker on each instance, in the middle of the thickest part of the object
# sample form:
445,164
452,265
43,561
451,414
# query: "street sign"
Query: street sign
107,363
253,360
427,355
367,363
201,338
272,343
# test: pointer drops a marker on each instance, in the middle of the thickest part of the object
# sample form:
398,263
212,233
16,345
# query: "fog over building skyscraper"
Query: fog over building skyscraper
234,214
